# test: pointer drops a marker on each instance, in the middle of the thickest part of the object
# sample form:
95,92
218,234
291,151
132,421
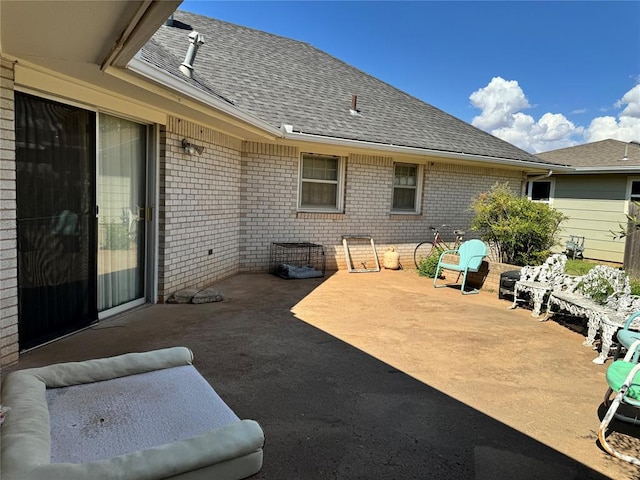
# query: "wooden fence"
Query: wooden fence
632,245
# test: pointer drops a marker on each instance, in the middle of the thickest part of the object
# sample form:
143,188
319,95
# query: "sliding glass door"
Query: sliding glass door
55,193
80,188
122,159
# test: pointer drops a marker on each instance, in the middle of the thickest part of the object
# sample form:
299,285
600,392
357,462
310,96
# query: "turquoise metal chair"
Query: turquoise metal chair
470,256
623,378
626,336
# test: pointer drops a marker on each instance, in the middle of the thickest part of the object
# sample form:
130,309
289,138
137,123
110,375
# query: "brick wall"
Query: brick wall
450,189
269,196
492,281
199,208
8,242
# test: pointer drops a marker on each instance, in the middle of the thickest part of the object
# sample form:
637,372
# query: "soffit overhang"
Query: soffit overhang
62,32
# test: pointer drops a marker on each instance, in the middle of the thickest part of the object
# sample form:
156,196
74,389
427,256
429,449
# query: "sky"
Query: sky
541,75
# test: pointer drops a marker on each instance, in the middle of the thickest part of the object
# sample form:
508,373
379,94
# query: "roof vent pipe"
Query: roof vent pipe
187,66
626,150
354,106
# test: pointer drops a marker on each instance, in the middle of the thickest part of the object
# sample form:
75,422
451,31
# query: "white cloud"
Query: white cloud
625,128
501,102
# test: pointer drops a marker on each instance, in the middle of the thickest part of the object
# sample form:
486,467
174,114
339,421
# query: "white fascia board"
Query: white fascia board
307,137
169,81
594,170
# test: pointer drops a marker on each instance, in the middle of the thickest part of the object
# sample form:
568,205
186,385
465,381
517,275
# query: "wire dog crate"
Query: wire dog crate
297,260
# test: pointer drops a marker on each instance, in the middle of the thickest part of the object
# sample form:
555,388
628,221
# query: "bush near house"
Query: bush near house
521,231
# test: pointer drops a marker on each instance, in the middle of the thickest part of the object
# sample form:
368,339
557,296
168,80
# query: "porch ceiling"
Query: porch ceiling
69,32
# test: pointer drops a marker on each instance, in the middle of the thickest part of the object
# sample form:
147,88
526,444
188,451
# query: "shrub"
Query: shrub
634,283
427,265
521,231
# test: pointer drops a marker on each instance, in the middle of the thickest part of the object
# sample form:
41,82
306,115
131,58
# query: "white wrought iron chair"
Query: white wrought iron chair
537,282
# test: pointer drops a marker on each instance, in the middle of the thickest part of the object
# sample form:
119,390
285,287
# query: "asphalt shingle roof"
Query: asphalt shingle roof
285,81
605,153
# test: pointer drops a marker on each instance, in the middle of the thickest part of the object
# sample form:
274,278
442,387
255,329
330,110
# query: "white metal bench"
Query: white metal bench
594,296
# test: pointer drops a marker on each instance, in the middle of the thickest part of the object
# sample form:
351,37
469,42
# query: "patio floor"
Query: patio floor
379,375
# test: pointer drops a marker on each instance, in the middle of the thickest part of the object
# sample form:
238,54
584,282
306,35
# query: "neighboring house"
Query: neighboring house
595,195
125,179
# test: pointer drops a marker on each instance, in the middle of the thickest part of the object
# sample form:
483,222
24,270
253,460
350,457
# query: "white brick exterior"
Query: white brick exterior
269,200
8,235
450,190
199,209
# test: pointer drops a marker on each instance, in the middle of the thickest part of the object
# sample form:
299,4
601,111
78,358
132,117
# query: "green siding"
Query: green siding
591,187
594,205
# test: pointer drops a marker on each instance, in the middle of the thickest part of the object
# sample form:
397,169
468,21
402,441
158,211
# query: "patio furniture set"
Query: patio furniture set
601,296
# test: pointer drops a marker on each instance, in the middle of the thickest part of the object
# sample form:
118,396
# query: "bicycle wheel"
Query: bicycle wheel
422,250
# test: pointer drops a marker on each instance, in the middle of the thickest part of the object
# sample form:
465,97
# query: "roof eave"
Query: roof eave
312,138
140,28
603,170
171,82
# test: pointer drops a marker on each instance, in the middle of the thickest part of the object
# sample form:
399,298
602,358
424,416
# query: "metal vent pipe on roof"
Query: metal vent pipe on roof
354,106
187,66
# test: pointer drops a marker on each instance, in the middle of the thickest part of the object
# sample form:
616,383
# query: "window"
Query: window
633,197
634,190
541,191
406,188
321,183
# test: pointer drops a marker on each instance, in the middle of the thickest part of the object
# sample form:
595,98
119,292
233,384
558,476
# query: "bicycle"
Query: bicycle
426,249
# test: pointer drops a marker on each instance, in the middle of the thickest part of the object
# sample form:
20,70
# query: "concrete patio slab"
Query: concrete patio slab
379,375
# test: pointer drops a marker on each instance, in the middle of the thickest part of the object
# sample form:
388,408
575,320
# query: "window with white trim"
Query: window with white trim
321,183
406,188
541,191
